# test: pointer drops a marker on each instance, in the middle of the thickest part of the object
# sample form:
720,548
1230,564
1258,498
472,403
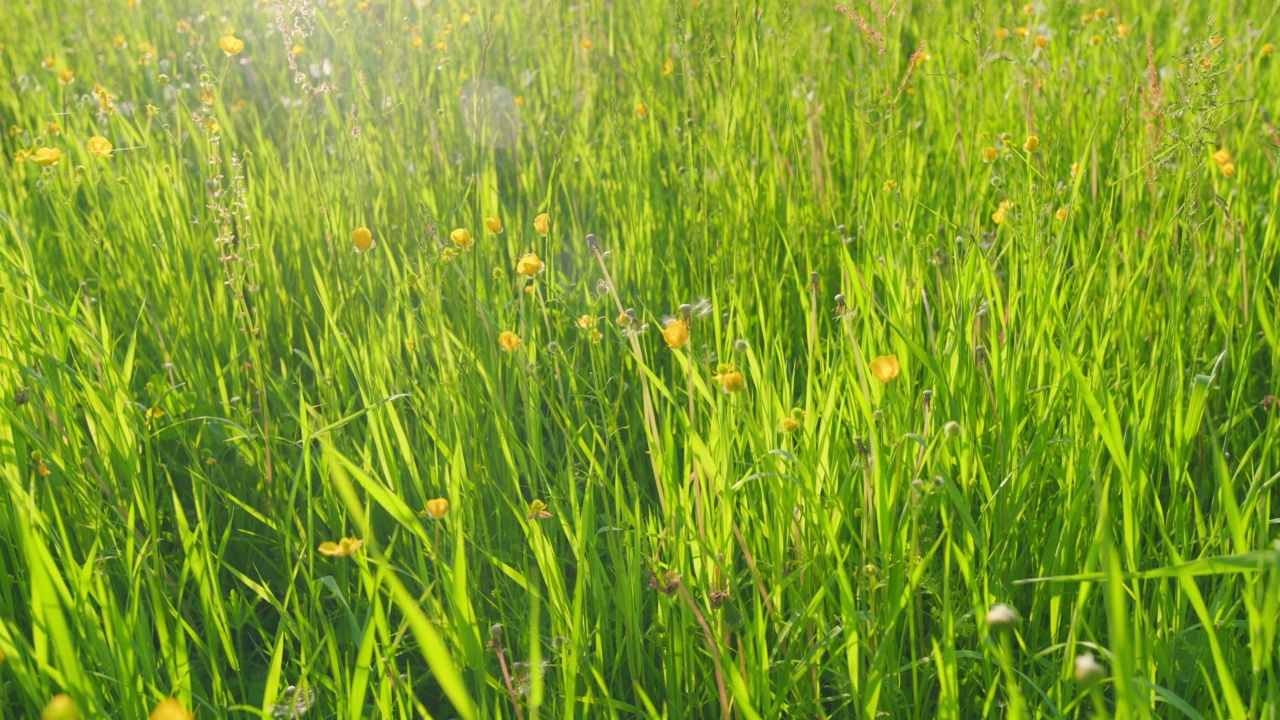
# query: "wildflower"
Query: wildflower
170,709
1228,169
1002,617
668,67
296,50
792,422
493,225
462,238
154,413
730,380
885,368
49,63
508,340
542,224
675,333
1029,9
99,146
890,185
1089,671
362,238
1215,41
1086,18
1095,40
119,42
60,707
1032,144
1100,13
1022,32
529,265
51,128
586,44
43,469
1001,33
537,511
641,111
47,156
588,323
22,155
1061,215
1268,48
998,216
344,547
66,77
231,45
437,508
989,154
1075,169
1221,157
1122,30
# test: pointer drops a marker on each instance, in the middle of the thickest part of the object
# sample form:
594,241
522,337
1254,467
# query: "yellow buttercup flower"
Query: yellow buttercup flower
362,238
1228,169
60,707
1221,157
508,341
52,128
999,215
344,547
1032,144
676,334
461,238
885,368
1075,169
529,265
668,67
1268,48
437,508
66,77
1122,30
493,225
49,63
641,110
542,224
989,154
47,156
1001,33
99,146
1022,32
729,379
1042,42
231,45
296,50
1061,214
170,709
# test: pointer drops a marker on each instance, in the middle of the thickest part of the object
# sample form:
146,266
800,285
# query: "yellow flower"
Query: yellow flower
789,424
296,50
641,110
1222,157
1228,169
586,44
461,238
344,547
1086,18
231,45
1022,32
1122,30
51,128
22,155
1029,8
1032,144
676,334
529,265
493,225
362,238
170,709
1061,214
60,707
730,380
989,154
542,224
586,322
119,42
47,156
1042,42
508,341
49,63
437,508
1001,33
885,368
1100,13
1095,40
66,77
99,146
1268,48
154,413
668,67
889,185
1075,169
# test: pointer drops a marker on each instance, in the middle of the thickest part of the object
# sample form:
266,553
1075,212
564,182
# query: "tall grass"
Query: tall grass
203,380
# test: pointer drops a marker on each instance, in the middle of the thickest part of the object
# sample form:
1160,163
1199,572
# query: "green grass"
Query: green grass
1112,474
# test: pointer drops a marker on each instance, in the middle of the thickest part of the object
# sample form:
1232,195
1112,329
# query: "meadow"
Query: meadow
639,359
